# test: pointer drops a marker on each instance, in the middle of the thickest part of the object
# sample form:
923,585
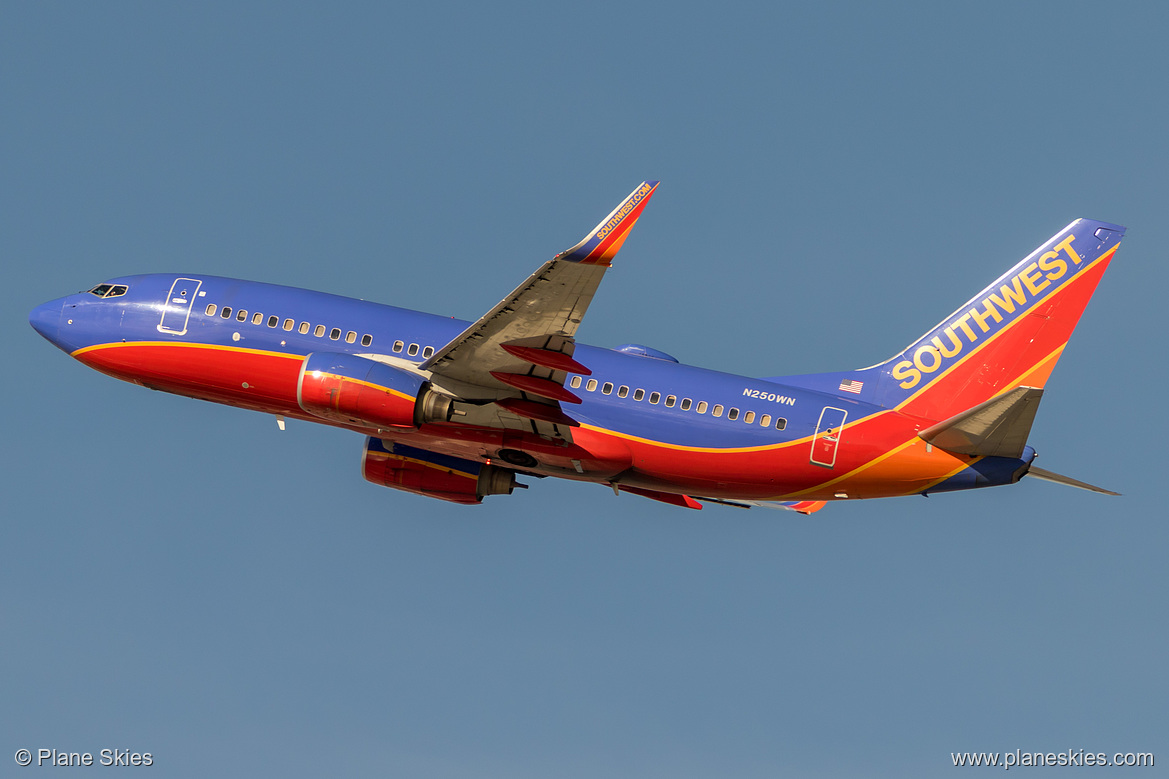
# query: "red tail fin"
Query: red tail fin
1008,335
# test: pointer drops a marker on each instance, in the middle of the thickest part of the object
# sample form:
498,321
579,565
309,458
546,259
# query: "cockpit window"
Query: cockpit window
109,290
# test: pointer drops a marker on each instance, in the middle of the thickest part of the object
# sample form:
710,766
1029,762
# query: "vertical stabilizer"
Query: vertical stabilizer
1008,335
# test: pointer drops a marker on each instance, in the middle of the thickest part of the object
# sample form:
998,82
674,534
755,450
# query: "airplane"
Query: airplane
457,410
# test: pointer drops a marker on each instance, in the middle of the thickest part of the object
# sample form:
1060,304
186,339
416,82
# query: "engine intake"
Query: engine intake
354,390
433,475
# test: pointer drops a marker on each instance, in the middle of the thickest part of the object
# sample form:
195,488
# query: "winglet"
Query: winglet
601,245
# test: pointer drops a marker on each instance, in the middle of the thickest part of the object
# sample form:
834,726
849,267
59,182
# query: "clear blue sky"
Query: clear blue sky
184,579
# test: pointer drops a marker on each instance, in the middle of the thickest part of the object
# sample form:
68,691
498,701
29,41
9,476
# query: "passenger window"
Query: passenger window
701,407
622,391
242,316
273,320
257,318
366,339
350,337
733,414
749,417
335,334
671,400
717,411
289,324
780,423
304,326
685,406
575,383
765,420
592,385
319,331
654,397
398,345
413,350
638,394
226,312
428,351
211,309
607,388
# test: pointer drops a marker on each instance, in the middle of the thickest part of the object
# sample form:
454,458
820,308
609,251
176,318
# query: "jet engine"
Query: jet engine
433,475
353,390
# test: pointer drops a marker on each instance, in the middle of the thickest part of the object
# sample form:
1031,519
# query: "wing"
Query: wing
519,353
798,506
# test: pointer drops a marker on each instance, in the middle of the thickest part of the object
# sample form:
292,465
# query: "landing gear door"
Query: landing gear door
827,437
177,310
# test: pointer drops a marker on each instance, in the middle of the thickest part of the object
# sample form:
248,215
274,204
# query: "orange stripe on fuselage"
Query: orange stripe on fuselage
907,469
879,456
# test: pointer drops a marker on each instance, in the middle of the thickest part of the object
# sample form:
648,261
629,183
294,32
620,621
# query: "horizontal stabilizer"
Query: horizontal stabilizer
997,428
1039,473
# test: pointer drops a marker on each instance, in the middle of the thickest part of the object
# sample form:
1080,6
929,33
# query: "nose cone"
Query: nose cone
46,318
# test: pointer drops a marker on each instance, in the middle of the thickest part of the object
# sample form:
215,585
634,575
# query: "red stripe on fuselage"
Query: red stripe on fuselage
248,378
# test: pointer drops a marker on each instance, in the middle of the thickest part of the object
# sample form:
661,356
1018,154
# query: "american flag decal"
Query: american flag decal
848,385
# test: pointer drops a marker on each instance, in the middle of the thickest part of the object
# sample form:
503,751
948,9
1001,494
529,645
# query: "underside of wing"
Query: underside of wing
799,506
542,313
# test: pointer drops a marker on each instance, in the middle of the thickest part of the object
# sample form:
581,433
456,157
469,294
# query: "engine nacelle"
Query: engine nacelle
352,390
434,475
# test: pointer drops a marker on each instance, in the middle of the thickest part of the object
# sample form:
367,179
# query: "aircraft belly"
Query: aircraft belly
879,456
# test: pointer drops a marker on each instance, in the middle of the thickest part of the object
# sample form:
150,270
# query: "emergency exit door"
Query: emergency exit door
177,309
827,438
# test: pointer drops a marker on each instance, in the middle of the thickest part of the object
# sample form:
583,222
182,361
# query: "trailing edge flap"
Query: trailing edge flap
997,428
1039,473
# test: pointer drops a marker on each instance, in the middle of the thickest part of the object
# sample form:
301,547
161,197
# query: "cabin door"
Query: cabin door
827,436
177,310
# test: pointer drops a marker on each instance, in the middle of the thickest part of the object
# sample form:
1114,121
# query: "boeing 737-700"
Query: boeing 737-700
457,410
